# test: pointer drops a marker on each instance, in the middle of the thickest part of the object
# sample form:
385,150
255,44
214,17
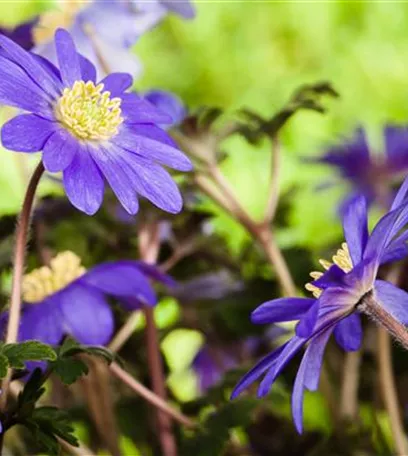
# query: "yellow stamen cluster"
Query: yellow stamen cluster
89,112
342,259
45,281
62,16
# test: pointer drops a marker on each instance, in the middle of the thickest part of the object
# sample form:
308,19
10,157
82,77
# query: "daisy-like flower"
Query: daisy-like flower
66,299
89,131
347,287
371,175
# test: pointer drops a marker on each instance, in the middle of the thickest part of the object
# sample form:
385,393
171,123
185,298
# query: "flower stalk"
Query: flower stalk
22,231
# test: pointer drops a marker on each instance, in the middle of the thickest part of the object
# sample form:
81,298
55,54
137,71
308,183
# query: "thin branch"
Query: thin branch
273,192
350,382
150,397
124,332
18,269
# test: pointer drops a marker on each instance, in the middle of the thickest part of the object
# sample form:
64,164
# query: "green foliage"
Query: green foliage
213,436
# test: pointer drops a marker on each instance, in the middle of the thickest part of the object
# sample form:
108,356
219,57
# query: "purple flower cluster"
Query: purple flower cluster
338,292
89,131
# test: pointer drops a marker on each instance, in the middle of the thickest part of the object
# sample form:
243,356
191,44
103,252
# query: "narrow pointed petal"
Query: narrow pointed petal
263,365
86,314
59,151
83,183
68,58
333,277
44,80
308,376
349,333
307,323
88,70
401,195
355,228
393,299
27,133
139,111
283,309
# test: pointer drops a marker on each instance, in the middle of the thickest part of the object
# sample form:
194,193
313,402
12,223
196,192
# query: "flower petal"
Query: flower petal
308,376
27,133
17,89
88,70
152,149
182,7
139,111
168,103
333,277
118,175
83,183
86,314
349,333
59,151
355,228
121,279
42,321
43,79
401,194
264,364
117,83
307,323
393,299
68,58
282,309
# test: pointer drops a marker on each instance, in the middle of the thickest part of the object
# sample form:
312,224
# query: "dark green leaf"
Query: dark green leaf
69,369
30,350
4,365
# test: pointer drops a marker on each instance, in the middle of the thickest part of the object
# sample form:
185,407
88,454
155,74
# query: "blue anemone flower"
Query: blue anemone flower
168,103
338,292
66,299
105,30
370,174
90,131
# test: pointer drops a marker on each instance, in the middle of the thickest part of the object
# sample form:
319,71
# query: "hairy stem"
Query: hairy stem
149,244
349,388
149,396
18,269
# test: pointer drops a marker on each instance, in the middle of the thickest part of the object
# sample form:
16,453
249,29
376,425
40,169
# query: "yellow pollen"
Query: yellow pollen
342,259
88,112
45,281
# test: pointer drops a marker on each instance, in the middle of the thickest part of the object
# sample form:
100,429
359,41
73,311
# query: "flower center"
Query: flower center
342,259
88,112
45,281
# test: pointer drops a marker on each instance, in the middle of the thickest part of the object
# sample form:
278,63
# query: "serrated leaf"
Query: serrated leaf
4,365
69,369
30,350
69,347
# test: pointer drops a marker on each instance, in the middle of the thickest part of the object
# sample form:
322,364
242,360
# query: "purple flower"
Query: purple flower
210,364
65,299
89,131
368,174
168,103
183,8
338,292
22,34
104,30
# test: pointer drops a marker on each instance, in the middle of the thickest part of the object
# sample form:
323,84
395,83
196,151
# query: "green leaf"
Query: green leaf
30,350
4,365
69,369
48,423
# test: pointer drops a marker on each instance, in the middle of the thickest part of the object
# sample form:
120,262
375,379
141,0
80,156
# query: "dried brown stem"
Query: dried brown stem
18,269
